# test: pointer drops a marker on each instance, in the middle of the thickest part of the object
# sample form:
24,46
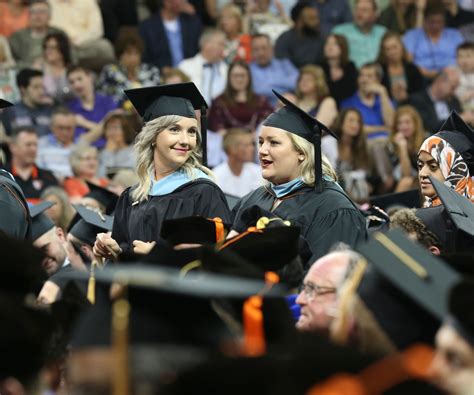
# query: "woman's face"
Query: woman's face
54,212
131,58
229,23
174,145
88,164
114,132
393,50
239,78
406,126
51,50
427,166
306,84
351,125
331,48
279,160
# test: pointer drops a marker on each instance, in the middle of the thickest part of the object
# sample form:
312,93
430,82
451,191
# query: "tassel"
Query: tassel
120,324
254,342
220,230
91,285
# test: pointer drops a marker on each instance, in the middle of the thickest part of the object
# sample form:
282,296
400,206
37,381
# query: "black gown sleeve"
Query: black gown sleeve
342,225
120,228
211,203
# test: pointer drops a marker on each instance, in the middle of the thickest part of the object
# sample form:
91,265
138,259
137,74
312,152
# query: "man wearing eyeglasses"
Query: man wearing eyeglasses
318,298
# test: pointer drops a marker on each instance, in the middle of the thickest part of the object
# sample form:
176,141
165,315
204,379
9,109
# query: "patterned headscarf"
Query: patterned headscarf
454,168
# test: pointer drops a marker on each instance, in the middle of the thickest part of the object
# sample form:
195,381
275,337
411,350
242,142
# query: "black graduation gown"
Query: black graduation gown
143,221
324,218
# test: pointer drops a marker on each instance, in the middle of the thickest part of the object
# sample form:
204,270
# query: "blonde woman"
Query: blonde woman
301,186
172,182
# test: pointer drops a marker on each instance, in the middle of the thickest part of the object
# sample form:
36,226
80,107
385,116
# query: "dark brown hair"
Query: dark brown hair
382,58
343,45
127,129
230,92
126,40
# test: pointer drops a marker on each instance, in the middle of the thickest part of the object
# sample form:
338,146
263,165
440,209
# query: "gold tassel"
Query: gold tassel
120,322
91,285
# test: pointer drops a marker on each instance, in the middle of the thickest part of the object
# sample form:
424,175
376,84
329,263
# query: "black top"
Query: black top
414,79
324,218
344,87
143,221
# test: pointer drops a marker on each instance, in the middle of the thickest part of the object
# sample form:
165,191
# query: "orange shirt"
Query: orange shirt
9,23
76,187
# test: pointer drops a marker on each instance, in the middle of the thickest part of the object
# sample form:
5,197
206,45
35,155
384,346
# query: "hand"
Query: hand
143,247
188,8
106,247
377,88
49,293
400,140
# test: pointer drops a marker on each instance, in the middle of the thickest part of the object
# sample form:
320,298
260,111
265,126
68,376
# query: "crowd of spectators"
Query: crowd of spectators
383,75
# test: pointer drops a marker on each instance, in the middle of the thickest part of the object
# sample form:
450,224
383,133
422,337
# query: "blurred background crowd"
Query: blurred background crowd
383,74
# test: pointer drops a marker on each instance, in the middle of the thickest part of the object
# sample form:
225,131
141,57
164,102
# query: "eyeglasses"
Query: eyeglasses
312,290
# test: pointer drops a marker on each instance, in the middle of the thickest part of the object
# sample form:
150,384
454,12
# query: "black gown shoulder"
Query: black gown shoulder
324,218
143,221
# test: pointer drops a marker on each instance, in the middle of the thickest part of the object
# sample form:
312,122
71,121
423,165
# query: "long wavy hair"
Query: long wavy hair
418,136
304,147
144,149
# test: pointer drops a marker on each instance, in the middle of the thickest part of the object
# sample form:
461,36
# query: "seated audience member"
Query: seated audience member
238,106
303,43
84,161
341,73
34,108
62,212
407,220
82,22
238,175
54,63
373,101
312,94
231,22
354,163
436,102
129,72
433,46
448,158
8,88
401,15
13,16
363,34
31,178
170,35
89,106
452,368
318,296
267,18
207,69
122,180
118,151
400,76
174,76
456,15
332,13
54,149
268,72
465,62
405,139
27,44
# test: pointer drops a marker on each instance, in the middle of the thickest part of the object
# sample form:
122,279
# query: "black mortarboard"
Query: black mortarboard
90,224
461,315
297,121
406,288
105,197
410,199
193,230
5,104
40,223
172,99
435,219
457,133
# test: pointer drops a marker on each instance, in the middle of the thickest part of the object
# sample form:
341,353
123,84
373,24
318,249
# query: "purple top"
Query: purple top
102,105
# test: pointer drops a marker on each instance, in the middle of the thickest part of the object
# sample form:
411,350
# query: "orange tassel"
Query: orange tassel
254,340
220,231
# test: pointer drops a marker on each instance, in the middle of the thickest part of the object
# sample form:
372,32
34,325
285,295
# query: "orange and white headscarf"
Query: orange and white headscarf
452,165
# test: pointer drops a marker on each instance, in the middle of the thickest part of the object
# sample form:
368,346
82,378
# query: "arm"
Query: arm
327,111
403,156
388,111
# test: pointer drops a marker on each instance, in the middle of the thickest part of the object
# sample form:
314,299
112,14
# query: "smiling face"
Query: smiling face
428,166
332,50
174,145
51,244
279,160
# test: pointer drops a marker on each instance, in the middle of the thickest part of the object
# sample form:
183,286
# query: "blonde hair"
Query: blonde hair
235,12
144,149
305,148
67,212
76,155
418,135
321,87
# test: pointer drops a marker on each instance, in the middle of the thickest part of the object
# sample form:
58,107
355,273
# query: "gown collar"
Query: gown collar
173,181
282,190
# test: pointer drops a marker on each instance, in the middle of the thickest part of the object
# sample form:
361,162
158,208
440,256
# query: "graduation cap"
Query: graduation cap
90,224
194,230
171,99
5,104
461,316
40,223
410,199
106,198
297,121
435,218
406,288
457,133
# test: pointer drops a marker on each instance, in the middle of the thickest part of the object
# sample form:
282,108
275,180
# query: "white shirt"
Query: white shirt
250,178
